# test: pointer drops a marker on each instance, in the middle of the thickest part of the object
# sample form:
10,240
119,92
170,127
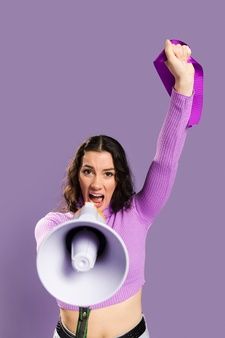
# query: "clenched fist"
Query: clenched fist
177,63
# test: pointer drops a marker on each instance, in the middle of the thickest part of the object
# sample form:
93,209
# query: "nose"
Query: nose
96,183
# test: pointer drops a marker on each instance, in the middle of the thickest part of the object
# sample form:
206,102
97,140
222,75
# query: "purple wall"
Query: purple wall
70,69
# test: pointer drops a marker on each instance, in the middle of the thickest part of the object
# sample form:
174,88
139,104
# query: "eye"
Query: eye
86,172
109,174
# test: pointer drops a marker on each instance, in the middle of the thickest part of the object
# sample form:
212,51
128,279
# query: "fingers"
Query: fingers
183,52
169,50
179,51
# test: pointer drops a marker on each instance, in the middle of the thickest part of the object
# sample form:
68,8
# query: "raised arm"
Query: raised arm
160,177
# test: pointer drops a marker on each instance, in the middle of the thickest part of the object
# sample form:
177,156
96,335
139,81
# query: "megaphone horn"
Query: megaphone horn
83,261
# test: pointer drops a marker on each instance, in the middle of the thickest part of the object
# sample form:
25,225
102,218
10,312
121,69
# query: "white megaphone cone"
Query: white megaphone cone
83,262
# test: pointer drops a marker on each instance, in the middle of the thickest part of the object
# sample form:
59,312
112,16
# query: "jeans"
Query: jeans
144,335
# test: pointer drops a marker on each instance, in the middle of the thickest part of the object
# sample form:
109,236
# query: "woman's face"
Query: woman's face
97,178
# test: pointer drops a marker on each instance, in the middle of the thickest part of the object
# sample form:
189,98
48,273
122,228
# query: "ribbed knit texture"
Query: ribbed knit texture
133,224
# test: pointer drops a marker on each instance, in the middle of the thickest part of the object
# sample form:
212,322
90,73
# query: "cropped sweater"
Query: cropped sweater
133,224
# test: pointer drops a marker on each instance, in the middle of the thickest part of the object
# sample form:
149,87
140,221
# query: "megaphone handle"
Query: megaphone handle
82,325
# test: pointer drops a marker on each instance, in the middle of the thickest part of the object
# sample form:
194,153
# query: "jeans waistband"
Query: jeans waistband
136,332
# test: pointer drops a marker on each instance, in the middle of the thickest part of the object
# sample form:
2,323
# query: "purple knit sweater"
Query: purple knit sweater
133,224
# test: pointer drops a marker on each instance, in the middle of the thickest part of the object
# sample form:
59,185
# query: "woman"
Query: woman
99,173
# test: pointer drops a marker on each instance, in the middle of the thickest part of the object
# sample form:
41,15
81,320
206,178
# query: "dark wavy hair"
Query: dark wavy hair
124,190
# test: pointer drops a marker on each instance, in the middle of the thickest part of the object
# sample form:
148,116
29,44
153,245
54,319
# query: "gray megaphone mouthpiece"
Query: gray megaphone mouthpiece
84,249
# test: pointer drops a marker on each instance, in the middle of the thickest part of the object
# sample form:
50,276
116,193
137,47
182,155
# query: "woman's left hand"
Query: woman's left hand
177,63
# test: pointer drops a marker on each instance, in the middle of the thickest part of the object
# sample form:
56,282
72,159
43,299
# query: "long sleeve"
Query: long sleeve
48,223
161,174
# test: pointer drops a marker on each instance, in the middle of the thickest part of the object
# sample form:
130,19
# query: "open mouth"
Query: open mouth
97,199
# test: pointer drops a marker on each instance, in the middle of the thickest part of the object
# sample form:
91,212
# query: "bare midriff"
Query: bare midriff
109,322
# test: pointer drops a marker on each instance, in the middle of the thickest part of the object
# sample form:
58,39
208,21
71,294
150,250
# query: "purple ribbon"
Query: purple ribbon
169,81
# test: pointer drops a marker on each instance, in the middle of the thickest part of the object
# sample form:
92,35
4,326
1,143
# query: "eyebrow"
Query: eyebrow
90,167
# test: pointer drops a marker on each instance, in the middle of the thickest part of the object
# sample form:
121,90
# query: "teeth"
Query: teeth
96,195
96,198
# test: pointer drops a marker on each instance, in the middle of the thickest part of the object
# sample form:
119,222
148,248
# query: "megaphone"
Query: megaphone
83,262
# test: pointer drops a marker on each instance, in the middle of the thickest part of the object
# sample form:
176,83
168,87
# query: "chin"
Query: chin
101,208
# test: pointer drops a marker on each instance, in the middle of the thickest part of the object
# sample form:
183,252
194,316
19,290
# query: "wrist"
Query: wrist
184,87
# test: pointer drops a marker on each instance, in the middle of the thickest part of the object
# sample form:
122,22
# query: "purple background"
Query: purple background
71,69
